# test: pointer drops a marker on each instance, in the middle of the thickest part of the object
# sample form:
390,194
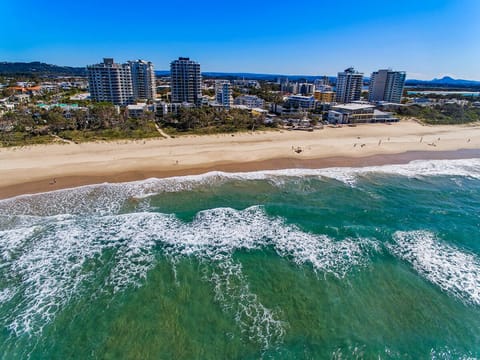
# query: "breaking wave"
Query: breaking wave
109,198
450,268
49,262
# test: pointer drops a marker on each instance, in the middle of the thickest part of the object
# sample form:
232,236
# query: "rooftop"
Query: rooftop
353,106
139,106
301,97
379,112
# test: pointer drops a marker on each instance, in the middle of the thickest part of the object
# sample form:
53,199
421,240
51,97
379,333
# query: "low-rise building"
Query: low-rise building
258,111
164,108
351,113
251,101
240,107
423,101
300,102
388,106
223,93
383,116
21,98
358,113
324,96
139,109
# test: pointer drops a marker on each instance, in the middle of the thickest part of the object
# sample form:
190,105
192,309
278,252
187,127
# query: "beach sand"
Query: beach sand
40,168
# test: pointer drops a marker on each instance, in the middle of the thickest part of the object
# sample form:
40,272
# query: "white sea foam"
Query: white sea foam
358,352
350,352
226,229
452,269
256,321
12,240
6,295
49,260
447,353
49,268
110,198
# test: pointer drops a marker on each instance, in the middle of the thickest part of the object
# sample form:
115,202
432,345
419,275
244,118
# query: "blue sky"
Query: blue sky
426,38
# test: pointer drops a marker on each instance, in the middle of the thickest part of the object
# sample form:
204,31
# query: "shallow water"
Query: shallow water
376,262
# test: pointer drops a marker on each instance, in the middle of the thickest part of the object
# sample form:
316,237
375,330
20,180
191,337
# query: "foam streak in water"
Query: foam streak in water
49,261
48,267
453,270
109,198
259,323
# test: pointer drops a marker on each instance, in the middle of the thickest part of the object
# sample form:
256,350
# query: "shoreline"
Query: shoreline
46,168
69,182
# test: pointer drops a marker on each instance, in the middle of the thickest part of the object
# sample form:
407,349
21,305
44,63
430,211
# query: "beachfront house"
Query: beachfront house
358,113
350,113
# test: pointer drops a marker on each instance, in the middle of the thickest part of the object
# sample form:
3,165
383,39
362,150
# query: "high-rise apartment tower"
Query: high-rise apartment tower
349,86
386,85
143,80
110,82
186,81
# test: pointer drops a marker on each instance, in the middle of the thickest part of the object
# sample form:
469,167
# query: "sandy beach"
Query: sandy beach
49,167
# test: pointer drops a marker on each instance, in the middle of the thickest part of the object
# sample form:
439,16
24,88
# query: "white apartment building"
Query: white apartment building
349,86
110,82
223,93
186,81
250,101
386,85
143,80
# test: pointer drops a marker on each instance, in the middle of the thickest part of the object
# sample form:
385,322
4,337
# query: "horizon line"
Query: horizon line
253,73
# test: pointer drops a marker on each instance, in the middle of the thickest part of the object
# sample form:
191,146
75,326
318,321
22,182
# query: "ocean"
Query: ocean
342,263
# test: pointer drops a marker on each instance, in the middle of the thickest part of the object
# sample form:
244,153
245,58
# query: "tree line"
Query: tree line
442,114
98,121
212,120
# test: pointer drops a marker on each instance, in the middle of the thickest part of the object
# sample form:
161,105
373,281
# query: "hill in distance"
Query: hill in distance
39,68
446,81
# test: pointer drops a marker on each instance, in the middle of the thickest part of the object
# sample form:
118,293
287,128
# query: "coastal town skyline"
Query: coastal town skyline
268,38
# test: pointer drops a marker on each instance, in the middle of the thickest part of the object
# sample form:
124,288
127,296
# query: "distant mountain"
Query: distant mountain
449,80
446,81
38,68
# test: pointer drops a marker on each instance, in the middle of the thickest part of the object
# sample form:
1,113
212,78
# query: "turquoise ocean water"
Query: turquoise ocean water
342,263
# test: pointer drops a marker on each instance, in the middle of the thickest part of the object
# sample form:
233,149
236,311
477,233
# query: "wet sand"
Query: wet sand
51,167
